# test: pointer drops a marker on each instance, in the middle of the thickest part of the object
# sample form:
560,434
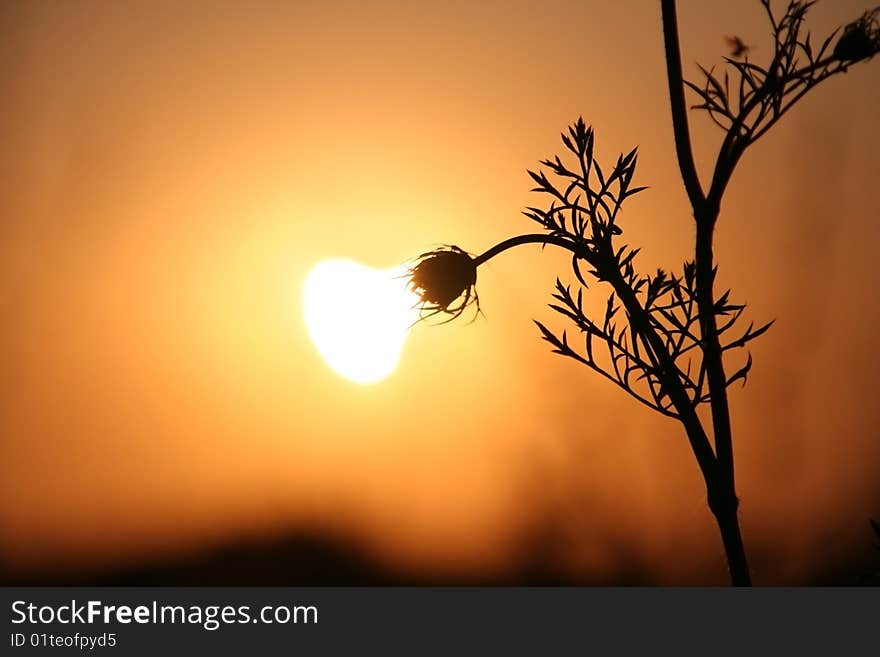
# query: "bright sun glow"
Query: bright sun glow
358,317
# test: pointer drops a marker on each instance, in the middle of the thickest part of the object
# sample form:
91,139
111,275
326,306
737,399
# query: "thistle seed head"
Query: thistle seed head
445,280
860,39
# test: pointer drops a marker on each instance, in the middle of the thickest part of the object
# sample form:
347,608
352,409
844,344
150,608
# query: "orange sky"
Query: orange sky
171,172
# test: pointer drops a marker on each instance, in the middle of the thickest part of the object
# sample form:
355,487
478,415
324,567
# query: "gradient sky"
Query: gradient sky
170,172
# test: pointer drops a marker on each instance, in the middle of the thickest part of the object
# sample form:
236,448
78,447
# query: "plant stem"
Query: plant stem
530,238
676,93
722,490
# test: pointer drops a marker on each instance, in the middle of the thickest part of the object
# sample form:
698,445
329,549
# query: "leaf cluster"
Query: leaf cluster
585,208
746,99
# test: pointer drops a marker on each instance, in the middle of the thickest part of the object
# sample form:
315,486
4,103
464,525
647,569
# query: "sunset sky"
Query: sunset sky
170,172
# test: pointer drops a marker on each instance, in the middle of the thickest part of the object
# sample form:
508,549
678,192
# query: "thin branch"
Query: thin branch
679,110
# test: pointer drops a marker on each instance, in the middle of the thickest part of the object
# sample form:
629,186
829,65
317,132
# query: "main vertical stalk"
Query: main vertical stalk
722,498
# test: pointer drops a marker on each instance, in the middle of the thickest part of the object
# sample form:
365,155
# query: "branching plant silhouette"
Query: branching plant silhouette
672,347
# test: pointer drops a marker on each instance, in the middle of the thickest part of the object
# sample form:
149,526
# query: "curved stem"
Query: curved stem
530,238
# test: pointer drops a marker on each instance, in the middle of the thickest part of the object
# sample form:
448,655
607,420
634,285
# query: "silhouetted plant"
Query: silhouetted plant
667,348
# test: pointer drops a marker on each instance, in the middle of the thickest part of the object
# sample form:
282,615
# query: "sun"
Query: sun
358,317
